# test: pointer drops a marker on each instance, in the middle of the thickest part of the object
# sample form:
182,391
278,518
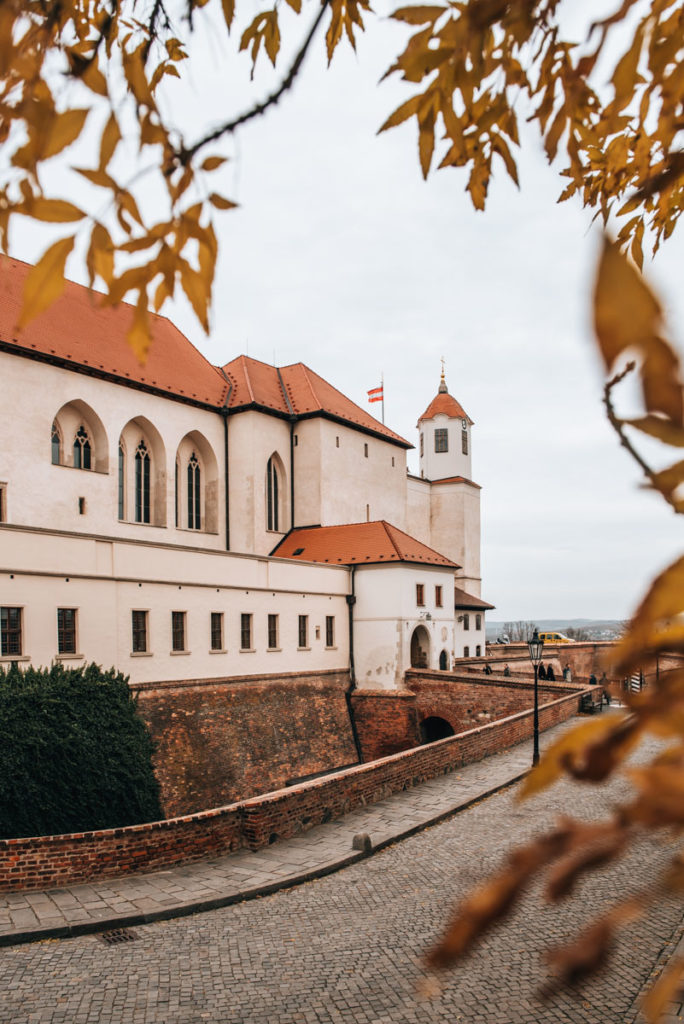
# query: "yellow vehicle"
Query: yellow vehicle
555,638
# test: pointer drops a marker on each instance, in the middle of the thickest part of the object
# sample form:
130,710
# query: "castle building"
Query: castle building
184,521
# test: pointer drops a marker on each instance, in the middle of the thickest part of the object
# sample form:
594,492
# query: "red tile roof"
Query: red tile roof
463,600
297,390
358,544
456,480
77,330
446,404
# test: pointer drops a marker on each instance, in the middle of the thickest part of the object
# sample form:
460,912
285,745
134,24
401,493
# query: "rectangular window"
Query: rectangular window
303,630
421,445
420,594
438,597
466,621
217,631
3,503
442,440
464,441
273,632
330,631
478,622
66,630
177,631
10,631
365,450
478,651
337,442
296,440
139,627
466,652
245,632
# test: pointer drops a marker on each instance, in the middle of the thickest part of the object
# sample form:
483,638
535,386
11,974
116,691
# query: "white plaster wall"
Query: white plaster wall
439,465
252,438
471,638
386,614
455,530
337,483
105,580
418,500
40,494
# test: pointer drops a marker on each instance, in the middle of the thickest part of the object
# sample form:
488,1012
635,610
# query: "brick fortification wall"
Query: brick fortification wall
219,741
390,722
50,861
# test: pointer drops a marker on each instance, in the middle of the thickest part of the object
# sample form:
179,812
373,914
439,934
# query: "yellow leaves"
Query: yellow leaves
64,130
45,281
262,29
228,12
139,336
664,991
53,211
212,163
662,606
345,14
220,202
589,951
624,77
100,256
626,313
111,136
402,113
589,750
419,15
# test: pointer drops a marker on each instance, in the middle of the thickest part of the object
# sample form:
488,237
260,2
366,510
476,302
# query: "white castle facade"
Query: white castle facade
185,521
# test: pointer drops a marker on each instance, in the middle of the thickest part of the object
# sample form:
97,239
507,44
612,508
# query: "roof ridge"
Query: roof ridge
244,358
306,370
389,527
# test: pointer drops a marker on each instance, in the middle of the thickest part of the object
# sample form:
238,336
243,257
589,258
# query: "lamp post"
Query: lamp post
536,646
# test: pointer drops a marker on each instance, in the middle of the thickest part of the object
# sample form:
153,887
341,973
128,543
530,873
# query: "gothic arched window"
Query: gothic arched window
122,480
142,483
56,445
272,517
81,449
194,516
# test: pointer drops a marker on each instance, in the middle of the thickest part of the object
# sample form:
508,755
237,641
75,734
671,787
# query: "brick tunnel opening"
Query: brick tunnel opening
434,728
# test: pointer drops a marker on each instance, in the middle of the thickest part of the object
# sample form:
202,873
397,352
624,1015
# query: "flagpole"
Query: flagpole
382,385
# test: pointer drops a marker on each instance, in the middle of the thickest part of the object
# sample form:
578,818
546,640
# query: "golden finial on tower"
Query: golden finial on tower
442,381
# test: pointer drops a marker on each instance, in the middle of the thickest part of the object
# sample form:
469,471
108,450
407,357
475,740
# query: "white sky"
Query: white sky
342,257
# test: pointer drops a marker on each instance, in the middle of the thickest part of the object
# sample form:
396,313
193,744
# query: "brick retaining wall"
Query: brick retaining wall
50,861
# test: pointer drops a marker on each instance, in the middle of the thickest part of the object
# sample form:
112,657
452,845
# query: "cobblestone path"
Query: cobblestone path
347,949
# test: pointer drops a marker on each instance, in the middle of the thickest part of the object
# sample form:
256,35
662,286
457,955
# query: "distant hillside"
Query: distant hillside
596,629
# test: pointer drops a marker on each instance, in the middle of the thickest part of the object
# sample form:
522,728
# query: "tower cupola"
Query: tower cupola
445,437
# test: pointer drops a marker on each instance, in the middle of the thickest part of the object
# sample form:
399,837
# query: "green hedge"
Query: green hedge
74,754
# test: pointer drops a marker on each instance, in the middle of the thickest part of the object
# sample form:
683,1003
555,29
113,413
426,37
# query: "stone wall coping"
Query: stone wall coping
181,684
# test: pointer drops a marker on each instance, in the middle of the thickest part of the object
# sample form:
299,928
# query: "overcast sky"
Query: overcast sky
342,257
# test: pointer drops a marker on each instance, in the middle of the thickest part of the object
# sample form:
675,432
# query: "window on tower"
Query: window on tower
442,440
464,439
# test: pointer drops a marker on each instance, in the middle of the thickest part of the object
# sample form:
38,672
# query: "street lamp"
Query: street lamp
535,647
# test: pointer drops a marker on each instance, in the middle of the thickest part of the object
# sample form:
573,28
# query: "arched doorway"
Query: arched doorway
420,648
443,661
434,728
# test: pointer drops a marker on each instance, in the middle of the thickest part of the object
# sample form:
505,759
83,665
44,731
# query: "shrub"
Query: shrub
74,754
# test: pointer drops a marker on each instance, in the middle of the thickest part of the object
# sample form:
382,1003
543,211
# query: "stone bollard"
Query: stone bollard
362,841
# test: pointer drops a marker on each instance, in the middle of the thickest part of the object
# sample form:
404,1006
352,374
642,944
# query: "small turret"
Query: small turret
445,428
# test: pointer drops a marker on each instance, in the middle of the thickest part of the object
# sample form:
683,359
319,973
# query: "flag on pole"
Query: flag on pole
376,394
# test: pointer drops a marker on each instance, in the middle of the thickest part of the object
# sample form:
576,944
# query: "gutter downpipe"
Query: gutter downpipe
224,415
351,601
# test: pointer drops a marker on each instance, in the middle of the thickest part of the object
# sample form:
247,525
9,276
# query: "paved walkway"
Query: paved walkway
209,884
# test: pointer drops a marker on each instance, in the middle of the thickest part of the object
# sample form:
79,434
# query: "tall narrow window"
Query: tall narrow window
442,440
176,493
303,630
478,651
245,632
10,631
66,630
466,621
81,449
464,439
217,631
178,631
194,520
466,652
421,445
272,632
3,503
330,631
478,622
55,444
139,631
438,597
420,594
122,473
142,483
272,516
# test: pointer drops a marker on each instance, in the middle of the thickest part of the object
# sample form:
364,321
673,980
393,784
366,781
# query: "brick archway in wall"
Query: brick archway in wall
435,728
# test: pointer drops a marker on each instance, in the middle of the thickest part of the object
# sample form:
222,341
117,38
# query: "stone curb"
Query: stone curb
68,931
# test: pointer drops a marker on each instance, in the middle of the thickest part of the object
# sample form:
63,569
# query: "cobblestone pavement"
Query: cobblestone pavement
347,949
222,880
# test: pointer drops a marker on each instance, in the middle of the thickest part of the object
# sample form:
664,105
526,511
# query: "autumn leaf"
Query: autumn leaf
45,280
54,211
65,129
664,991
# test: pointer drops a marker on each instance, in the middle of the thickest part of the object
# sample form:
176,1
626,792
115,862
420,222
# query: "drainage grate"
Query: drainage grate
116,935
